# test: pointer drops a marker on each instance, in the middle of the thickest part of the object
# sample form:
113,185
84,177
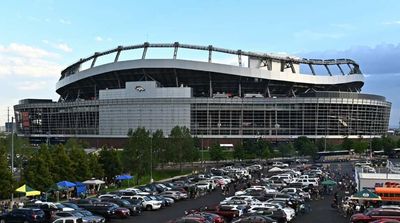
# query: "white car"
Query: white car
148,203
280,164
290,212
133,191
296,191
226,180
69,220
54,206
308,182
203,185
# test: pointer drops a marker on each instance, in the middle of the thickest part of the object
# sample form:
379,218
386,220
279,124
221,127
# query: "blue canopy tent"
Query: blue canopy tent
65,184
124,177
80,189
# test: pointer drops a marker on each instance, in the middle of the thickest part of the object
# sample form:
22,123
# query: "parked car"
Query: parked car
133,209
68,220
376,214
148,203
71,214
23,215
254,219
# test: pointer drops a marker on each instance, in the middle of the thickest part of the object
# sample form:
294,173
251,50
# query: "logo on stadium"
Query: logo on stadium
140,88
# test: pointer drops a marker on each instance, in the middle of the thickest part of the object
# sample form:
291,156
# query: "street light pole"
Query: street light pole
151,157
12,152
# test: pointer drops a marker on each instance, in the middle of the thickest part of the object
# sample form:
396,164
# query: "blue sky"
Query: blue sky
39,38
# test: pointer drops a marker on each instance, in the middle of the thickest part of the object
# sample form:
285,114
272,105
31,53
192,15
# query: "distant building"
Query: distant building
270,97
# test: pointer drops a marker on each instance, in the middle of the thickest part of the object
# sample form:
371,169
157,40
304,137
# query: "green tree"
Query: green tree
137,153
79,163
95,166
158,143
347,144
238,151
267,153
376,144
6,180
62,169
216,153
286,149
305,146
111,163
388,144
37,172
360,146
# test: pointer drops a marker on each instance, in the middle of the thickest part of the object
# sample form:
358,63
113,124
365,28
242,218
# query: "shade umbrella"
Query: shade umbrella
28,191
124,177
329,182
93,181
65,184
275,169
365,195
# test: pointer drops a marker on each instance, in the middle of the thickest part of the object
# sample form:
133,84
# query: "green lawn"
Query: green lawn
228,155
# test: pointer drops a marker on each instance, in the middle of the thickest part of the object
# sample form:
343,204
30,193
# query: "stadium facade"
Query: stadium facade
269,97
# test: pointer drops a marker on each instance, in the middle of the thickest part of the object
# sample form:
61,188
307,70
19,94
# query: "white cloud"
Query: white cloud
32,85
101,39
65,22
59,46
64,47
391,23
23,60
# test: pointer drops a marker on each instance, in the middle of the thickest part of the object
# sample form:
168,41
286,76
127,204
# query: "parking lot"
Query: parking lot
321,210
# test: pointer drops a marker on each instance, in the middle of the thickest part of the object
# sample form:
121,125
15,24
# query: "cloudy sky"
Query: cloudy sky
38,38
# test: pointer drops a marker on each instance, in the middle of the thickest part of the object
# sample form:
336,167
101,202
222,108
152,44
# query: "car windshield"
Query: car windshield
125,202
86,213
146,198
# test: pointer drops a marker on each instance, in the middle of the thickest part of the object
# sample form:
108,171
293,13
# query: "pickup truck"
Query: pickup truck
308,182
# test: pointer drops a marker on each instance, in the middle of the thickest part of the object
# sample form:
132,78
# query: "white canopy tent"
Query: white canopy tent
95,183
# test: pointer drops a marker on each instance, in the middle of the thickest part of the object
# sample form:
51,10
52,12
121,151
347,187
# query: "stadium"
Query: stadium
258,95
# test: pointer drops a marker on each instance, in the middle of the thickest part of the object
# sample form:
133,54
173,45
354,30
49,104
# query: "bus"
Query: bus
333,156
388,193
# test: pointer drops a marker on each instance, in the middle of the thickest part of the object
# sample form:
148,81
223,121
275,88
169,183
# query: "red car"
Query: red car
376,214
386,221
121,212
214,218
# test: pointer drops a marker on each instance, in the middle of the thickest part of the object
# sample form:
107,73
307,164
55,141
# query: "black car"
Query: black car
134,209
137,202
276,214
25,215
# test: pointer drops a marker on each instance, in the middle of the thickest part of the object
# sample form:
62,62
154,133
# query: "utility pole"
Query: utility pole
12,152
151,157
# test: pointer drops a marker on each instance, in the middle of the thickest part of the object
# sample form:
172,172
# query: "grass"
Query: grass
157,175
228,155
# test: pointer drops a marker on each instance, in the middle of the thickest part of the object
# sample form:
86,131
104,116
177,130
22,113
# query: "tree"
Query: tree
158,147
111,163
388,144
62,168
305,146
360,146
238,151
6,180
37,172
79,163
95,166
216,153
347,144
137,153
287,149
377,144
181,146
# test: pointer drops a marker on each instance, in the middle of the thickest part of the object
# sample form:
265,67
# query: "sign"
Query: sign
140,88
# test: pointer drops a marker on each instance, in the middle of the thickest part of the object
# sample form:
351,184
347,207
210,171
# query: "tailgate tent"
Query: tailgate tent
80,188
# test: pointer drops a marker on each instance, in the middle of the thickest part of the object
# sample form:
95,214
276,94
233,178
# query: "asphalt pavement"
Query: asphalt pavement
321,210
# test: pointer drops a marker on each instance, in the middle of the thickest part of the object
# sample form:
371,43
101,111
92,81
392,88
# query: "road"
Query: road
321,210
